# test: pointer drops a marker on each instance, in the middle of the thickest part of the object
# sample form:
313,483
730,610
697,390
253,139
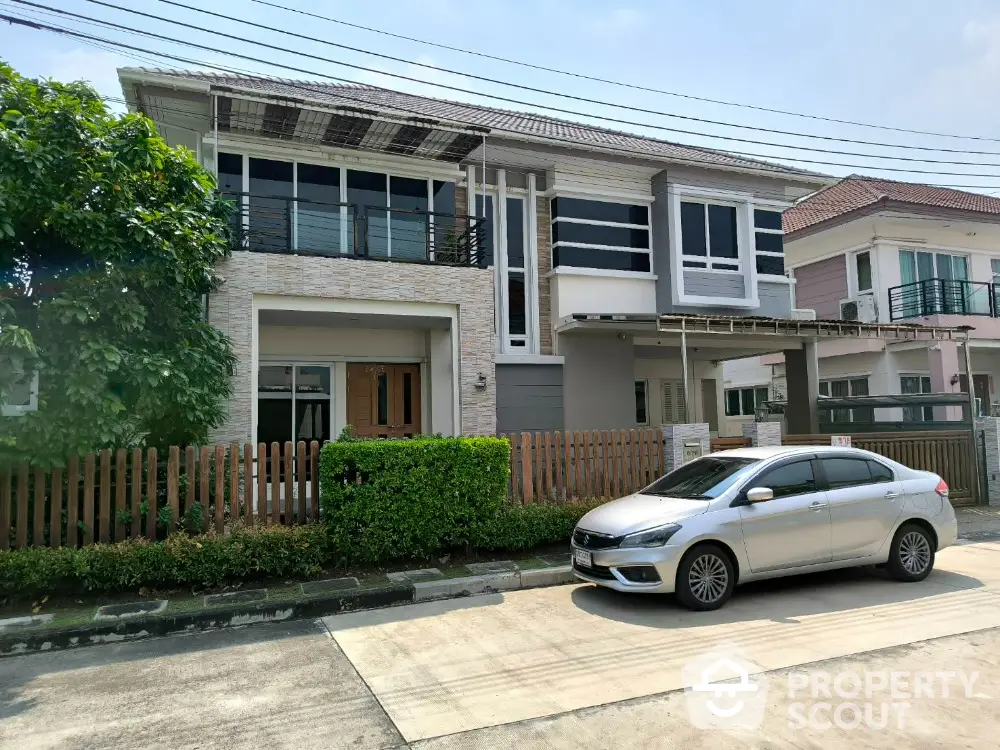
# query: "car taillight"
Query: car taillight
942,489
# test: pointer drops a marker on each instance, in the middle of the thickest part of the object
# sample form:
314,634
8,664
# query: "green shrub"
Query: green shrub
522,527
393,499
178,561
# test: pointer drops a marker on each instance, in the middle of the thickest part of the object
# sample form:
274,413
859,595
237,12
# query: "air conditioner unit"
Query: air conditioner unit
803,314
860,309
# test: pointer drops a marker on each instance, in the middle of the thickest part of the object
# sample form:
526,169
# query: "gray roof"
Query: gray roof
498,121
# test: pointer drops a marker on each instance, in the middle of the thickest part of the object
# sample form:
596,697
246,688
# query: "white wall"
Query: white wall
654,371
741,373
573,292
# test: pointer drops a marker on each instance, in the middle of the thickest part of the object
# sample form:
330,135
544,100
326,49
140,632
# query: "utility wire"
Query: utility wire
548,92
342,94
489,96
621,84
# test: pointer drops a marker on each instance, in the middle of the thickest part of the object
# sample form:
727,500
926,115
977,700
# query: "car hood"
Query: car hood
638,512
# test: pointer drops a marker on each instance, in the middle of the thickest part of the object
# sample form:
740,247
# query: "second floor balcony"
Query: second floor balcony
270,224
943,297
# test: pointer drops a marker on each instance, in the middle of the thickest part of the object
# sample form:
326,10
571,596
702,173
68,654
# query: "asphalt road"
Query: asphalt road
563,667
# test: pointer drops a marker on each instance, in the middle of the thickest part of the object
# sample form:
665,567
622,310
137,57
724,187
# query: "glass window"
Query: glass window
880,472
791,479
618,213
732,403
846,472
641,415
488,229
597,234
446,229
230,173
760,396
771,265
722,231
271,191
444,198
864,266
312,381
746,401
407,398
588,257
366,192
693,230
320,218
909,384
408,222
768,242
766,219
824,388
382,400
515,232
703,479
995,264
515,304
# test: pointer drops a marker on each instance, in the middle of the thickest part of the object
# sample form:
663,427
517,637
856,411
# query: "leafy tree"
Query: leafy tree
108,244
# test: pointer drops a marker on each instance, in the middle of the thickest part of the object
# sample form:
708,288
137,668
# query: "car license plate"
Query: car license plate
582,557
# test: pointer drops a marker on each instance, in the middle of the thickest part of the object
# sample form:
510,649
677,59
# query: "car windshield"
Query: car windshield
703,479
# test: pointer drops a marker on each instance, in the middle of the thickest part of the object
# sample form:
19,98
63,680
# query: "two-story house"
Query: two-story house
413,265
892,252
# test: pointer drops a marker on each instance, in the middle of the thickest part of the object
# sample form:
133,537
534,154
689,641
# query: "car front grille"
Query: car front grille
594,571
592,540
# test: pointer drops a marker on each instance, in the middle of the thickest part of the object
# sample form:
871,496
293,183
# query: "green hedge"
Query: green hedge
394,499
524,527
178,561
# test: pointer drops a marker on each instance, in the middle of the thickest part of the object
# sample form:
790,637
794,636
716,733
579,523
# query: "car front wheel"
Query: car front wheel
911,557
705,578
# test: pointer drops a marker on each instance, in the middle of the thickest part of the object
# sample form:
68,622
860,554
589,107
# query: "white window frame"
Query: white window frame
500,193
739,390
921,376
828,382
19,410
767,253
709,260
853,287
648,227
745,244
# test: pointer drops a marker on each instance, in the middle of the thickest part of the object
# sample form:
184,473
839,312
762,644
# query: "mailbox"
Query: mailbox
692,450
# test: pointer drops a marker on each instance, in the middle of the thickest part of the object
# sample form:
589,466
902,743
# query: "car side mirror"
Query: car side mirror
760,495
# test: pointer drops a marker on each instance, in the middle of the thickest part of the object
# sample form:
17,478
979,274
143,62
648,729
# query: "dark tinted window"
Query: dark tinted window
879,472
515,233
586,257
620,213
693,228
770,243
722,231
846,472
771,264
732,403
704,478
444,198
598,234
790,479
766,219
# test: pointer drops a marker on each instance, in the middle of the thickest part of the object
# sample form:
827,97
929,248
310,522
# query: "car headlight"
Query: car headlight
651,537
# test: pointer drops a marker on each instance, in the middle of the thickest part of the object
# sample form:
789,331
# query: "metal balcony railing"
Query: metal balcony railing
272,224
942,297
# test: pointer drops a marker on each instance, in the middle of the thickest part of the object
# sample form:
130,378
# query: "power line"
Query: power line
548,92
488,96
762,167
621,84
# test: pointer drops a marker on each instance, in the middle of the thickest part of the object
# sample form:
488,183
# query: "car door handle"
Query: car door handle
891,494
816,505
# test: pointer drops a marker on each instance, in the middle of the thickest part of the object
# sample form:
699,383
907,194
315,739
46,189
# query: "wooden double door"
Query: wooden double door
383,399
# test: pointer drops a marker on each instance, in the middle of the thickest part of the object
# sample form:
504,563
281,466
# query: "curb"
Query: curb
158,626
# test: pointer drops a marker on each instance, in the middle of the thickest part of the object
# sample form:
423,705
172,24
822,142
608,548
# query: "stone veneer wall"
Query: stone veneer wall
544,219
471,289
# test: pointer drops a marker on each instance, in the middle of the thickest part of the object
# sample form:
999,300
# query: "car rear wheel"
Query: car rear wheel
911,557
705,578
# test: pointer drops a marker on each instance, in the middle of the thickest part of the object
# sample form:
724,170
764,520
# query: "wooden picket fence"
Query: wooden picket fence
600,464
948,453
103,497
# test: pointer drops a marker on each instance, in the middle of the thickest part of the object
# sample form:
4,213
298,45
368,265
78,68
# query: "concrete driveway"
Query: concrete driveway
570,666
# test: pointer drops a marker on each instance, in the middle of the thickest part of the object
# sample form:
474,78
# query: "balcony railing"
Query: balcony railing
270,224
942,297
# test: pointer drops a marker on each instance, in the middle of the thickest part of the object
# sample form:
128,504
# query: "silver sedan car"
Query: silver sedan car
753,513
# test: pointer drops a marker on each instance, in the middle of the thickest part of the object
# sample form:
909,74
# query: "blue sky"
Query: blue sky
917,64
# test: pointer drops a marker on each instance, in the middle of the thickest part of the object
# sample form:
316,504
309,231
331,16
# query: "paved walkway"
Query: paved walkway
570,666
